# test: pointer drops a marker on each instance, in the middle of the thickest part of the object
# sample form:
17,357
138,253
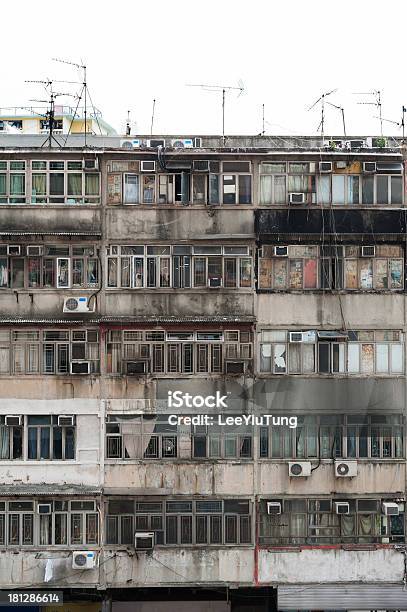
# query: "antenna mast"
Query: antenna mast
152,118
342,113
223,89
321,100
378,103
84,90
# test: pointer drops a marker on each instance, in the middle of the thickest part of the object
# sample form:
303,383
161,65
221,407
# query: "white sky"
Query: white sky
286,53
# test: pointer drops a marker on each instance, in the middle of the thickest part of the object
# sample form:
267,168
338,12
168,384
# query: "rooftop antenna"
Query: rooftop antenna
378,103
321,100
128,128
152,118
50,116
343,115
84,92
223,89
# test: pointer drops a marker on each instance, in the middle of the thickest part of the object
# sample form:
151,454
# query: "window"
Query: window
165,266
377,352
68,523
216,441
331,267
47,352
13,182
334,436
187,352
236,188
141,437
37,438
181,523
58,266
63,182
315,521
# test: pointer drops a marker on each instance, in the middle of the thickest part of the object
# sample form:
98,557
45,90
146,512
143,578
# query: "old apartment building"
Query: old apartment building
266,271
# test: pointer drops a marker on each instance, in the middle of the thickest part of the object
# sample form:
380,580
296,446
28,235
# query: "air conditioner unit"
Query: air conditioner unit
78,304
44,508
185,143
147,166
134,143
197,143
35,250
299,469
80,367
13,249
135,367
341,507
346,469
234,367
201,165
390,509
368,251
90,164
273,508
296,337
154,143
281,251
83,560
66,420
356,144
144,540
12,419
325,167
369,167
297,198
215,282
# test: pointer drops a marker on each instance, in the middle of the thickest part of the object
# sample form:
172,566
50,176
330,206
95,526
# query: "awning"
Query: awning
342,597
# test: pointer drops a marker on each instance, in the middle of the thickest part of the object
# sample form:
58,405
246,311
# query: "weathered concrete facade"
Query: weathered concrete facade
240,270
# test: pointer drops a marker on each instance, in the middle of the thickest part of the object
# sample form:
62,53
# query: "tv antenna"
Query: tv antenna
84,92
128,125
50,113
340,108
223,89
321,100
377,103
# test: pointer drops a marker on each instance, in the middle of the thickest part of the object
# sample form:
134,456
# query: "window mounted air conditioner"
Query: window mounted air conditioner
134,143
273,508
78,304
325,167
296,337
136,367
369,167
44,508
35,250
390,509
90,164
215,282
234,367
299,469
13,249
144,540
80,367
340,165
12,419
368,251
346,469
185,143
84,560
154,143
65,420
297,198
341,507
201,165
281,251
147,166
